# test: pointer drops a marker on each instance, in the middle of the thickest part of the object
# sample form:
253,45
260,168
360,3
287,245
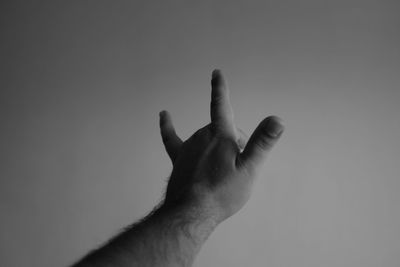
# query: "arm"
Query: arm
169,236
213,173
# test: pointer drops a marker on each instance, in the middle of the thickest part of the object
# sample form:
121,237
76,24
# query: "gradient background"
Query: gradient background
82,83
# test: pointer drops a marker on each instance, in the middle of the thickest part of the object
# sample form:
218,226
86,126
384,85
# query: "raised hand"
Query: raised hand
215,168
212,176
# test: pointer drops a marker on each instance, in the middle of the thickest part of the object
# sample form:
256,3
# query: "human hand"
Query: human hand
215,168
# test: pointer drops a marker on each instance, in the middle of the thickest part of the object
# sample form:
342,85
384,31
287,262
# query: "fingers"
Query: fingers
171,141
221,110
261,141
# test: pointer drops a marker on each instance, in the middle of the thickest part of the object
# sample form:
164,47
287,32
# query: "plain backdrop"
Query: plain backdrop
81,157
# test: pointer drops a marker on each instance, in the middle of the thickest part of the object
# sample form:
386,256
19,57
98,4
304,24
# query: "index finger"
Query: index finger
221,110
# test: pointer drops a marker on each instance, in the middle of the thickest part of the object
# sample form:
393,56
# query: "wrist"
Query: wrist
197,203
194,221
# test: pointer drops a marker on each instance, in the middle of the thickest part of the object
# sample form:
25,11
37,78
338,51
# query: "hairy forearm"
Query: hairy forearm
169,236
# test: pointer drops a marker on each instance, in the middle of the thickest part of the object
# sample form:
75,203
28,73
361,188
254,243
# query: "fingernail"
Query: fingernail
275,127
215,73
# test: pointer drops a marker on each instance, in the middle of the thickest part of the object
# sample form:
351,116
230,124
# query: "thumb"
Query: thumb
261,142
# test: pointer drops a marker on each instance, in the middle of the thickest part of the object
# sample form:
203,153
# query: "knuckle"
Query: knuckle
264,142
217,101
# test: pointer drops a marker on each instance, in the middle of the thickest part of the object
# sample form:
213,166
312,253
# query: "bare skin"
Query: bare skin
212,178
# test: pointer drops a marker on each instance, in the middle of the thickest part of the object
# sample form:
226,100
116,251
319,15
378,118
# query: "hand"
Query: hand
215,168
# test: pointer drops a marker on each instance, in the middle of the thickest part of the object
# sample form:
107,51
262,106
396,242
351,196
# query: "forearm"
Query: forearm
169,236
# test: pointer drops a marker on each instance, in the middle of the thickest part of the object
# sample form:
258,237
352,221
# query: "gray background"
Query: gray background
82,83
